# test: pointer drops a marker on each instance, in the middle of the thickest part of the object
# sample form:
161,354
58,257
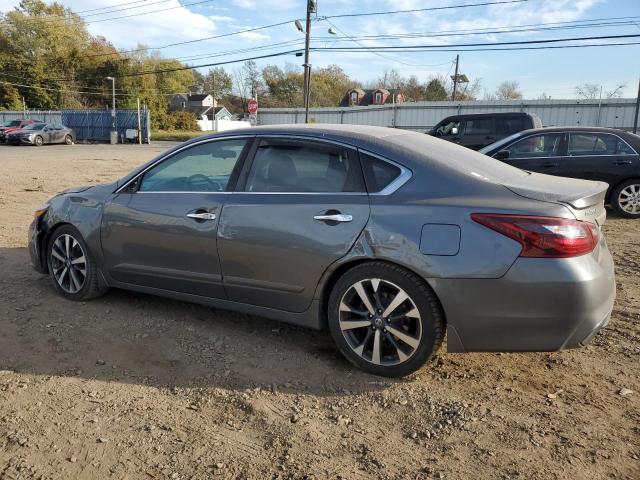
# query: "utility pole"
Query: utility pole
635,121
311,8
455,80
114,134
139,124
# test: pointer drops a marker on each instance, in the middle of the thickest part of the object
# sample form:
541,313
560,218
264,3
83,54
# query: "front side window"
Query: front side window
591,144
206,167
304,168
448,128
536,146
478,126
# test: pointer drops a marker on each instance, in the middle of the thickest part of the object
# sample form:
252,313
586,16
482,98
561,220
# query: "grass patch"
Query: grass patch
175,135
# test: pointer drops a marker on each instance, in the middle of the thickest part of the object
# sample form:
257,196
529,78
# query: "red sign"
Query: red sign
252,105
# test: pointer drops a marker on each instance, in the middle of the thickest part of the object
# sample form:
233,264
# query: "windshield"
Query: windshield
34,126
500,143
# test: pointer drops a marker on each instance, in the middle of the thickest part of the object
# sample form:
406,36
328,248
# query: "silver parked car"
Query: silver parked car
39,134
387,237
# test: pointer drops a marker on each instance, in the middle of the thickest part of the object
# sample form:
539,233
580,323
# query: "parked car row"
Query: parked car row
35,132
590,153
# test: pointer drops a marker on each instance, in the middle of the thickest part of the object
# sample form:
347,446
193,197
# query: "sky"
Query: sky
554,72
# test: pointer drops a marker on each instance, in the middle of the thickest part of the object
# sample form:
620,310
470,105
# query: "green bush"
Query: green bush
174,121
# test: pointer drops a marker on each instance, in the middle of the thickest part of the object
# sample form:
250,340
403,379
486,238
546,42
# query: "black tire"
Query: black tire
633,199
38,141
91,286
68,140
431,318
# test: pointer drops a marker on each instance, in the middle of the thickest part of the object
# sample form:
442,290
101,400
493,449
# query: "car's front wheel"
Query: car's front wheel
38,141
625,198
71,268
385,319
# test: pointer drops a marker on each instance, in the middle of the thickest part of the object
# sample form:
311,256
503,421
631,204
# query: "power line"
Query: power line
416,10
278,54
410,48
186,42
379,54
81,20
495,30
105,94
503,49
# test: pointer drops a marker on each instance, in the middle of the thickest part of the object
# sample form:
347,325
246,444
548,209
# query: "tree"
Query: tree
508,90
435,90
588,91
218,83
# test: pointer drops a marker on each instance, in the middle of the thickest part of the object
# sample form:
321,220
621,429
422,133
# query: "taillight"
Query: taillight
549,237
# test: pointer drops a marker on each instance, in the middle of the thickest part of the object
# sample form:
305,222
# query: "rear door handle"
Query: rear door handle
202,216
548,165
622,162
338,217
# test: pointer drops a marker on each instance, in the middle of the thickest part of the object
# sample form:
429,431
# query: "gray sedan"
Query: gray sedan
389,238
39,134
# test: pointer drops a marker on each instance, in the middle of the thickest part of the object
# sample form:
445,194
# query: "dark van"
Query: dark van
479,130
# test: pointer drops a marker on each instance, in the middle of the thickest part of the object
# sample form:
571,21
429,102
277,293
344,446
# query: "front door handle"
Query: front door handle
622,162
202,216
548,165
337,217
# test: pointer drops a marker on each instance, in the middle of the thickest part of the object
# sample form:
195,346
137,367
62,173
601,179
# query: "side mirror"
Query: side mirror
454,131
502,155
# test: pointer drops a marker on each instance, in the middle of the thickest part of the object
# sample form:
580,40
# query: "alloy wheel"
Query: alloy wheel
629,199
380,322
68,263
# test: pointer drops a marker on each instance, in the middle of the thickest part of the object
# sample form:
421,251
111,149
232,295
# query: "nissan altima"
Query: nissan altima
388,238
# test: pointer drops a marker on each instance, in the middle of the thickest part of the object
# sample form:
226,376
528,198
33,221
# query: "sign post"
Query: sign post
252,107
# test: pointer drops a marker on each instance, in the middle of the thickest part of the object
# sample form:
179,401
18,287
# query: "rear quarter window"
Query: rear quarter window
378,173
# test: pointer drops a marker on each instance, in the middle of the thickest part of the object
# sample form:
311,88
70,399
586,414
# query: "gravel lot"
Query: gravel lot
134,386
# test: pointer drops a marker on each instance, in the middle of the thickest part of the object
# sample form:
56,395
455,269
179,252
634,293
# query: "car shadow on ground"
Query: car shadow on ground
149,340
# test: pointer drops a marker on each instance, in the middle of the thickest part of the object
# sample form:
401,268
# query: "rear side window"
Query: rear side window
509,125
378,173
590,144
478,126
304,168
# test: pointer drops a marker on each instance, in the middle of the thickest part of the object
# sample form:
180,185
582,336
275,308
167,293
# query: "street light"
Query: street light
114,138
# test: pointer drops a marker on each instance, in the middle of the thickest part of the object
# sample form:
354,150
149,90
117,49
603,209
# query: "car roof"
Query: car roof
576,128
499,114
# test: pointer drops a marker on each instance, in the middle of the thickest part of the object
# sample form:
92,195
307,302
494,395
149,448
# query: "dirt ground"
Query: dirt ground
134,386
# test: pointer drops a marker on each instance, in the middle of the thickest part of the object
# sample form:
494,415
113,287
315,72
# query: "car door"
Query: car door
536,153
160,229
57,134
299,206
599,156
478,132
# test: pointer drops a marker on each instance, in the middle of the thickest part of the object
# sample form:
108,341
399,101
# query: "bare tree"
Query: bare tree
588,91
508,90
616,92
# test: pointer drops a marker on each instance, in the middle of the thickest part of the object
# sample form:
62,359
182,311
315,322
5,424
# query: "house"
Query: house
357,97
213,118
199,104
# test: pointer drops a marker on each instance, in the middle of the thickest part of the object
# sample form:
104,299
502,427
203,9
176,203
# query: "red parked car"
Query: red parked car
12,126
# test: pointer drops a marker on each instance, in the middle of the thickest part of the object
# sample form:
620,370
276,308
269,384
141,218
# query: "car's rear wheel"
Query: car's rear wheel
384,319
68,140
71,267
38,141
626,198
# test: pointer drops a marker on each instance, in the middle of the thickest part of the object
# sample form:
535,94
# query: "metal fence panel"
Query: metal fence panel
616,113
88,125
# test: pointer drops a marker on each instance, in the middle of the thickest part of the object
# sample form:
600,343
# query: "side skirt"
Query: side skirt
307,319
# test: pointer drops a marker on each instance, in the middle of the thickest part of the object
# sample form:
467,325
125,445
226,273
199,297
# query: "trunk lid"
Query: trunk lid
584,198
